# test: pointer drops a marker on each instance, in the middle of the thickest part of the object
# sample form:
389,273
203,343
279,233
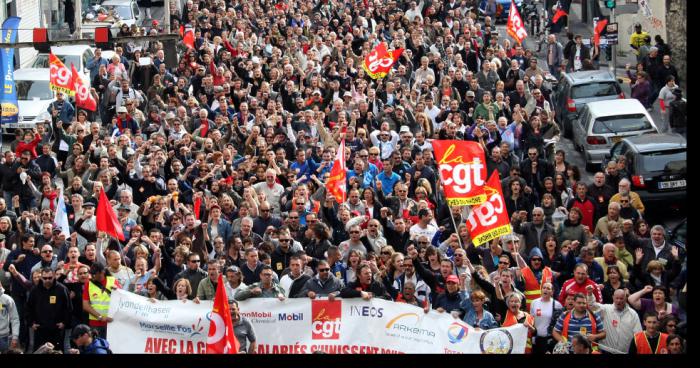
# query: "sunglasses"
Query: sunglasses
324,269
46,251
47,278
354,232
194,261
284,240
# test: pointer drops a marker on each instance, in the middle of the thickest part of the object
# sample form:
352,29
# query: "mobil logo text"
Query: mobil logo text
326,319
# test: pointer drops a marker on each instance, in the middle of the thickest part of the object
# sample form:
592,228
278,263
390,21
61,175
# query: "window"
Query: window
30,89
600,89
621,124
674,160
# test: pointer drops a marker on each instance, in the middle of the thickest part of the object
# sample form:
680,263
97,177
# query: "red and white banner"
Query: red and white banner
489,220
379,61
337,181
515,27
462,169
83,97
60,77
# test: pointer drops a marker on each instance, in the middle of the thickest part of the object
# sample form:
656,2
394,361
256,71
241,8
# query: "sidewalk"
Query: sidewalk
586,30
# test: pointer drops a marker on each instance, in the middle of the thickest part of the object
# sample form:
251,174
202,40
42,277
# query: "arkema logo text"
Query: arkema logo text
290,317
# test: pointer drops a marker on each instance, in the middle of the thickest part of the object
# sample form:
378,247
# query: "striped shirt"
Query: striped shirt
578,326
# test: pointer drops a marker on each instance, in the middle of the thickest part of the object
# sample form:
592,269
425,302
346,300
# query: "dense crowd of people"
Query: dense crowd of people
219,165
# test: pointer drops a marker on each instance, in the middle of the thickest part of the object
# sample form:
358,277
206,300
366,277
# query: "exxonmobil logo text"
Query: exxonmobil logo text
325,319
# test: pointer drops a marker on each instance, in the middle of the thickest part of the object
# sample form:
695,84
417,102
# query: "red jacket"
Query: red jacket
571,287
31,146
588,208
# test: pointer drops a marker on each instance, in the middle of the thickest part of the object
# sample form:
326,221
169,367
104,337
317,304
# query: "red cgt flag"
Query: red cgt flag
337,181
379,61
515,27
221,339
60,77
462,169
83,97
106,218
188,38
490,219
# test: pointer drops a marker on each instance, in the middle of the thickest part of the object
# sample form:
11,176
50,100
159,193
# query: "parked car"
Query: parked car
33,98
577,89
604,123
677,235
657,168
111,13
78,55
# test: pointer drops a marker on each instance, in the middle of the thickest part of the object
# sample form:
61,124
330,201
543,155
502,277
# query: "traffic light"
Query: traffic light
103,38
610,4
40,38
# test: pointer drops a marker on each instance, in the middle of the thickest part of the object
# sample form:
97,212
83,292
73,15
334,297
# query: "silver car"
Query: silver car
604,123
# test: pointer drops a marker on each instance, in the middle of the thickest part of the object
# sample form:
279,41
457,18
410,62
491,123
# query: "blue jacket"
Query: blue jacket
487,320
67,112
98,346
223,228
448,302
93,65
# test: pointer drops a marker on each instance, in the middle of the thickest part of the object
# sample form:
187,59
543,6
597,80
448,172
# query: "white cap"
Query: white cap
121,109
404,129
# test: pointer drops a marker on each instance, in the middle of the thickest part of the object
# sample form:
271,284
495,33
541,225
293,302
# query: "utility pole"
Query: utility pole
78,18
166,15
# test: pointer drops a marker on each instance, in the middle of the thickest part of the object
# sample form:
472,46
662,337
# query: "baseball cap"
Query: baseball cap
452,278
316,92
404,129
471,94
121,109
88,204
233,269
347,94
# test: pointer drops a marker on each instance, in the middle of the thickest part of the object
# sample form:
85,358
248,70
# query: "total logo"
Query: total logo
457,332
326,319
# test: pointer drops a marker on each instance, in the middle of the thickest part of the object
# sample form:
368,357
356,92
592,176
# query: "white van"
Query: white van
78,55
34,97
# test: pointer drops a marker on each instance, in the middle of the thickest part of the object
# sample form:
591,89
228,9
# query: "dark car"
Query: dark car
577,89
657,168
677,236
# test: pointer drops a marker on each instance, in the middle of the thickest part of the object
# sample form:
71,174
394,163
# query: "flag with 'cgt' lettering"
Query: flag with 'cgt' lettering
489,220
462,169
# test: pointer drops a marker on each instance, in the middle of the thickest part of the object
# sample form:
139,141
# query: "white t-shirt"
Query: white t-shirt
417,231
542,311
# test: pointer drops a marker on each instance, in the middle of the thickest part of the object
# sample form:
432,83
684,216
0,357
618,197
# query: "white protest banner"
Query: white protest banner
160,327
354,326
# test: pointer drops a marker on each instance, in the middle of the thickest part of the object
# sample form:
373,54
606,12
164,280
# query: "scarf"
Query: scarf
52,199
204,128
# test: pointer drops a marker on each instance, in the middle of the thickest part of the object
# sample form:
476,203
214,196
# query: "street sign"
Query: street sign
610,4
611,34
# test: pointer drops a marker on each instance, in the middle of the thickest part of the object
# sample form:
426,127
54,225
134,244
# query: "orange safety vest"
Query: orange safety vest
533,289
643,346
511,320
594,328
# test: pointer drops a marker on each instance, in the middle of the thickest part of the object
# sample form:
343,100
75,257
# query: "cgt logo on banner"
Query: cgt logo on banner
462,169
490,219
325,319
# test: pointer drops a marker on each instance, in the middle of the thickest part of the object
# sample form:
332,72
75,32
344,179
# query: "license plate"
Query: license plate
615,139
672,184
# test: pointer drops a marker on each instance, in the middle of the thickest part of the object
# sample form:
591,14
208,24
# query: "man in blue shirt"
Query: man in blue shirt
303,167
387,177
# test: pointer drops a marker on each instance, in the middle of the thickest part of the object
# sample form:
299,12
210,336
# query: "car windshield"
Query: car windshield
29,90
124,11
42,61
658,161
621,124
600,89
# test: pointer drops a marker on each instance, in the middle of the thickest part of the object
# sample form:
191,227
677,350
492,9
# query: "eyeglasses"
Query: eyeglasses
536,260
374,154
324,269
422,242
293,217
46,251
504,263
194,261
284,240
364,156
624,201
458,255
47,278
264,210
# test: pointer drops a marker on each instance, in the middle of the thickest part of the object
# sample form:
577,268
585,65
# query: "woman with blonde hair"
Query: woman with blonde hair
425,123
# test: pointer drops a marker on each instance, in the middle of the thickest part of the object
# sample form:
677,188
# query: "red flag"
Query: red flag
221,339
188,38
515,27
378,63
662,105
83,97
489,220
600,28
106,218
60,77
560,13
197,205
462,169
337,181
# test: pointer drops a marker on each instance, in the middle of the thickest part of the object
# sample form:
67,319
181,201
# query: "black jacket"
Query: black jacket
354,290
47,307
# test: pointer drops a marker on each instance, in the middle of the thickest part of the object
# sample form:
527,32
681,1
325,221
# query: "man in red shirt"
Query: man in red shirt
578,284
